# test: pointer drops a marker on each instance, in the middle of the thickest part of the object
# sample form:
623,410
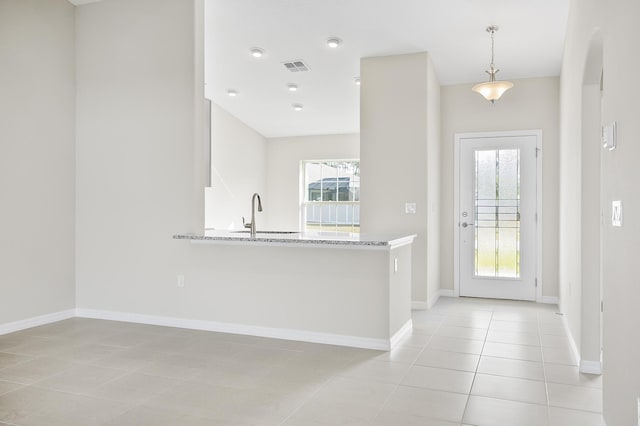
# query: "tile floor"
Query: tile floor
467,362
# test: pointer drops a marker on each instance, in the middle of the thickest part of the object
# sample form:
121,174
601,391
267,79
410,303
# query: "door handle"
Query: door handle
465,224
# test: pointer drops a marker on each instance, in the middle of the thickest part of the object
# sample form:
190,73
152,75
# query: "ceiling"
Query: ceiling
81,2
529,44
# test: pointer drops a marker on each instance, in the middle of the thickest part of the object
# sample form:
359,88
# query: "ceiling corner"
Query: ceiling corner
81,2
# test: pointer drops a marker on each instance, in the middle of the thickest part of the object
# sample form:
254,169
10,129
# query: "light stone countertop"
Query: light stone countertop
315,238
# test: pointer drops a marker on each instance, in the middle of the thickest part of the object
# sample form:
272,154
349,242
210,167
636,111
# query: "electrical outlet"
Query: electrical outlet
609,136
180,281
616,213
410,208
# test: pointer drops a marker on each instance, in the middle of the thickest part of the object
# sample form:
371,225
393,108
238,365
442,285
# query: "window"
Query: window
331,199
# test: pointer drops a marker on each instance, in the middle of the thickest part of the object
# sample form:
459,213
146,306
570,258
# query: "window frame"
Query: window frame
304,201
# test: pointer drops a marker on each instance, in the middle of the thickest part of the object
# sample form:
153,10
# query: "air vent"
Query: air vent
296,66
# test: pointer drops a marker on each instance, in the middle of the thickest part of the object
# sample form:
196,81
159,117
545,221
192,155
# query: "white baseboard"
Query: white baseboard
405,329
275,333
590,367
441,293
447,292
551,300
419,306
572,342
585,366
433,300
423,306
11,327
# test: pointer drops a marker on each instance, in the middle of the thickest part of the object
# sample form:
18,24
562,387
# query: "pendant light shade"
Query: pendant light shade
493,89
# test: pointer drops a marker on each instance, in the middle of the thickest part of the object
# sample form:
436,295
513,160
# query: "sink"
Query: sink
266,232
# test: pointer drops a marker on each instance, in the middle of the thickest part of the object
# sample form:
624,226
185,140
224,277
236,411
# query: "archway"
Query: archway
591,209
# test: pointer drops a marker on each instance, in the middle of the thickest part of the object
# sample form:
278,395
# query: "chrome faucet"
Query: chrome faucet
252,225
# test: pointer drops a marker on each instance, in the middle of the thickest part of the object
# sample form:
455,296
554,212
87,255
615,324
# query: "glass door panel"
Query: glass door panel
497,213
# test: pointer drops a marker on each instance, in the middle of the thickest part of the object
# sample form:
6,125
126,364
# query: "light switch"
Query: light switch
616,213
410,208
609,136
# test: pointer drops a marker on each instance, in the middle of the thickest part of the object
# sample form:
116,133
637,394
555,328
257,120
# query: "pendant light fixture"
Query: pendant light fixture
493,89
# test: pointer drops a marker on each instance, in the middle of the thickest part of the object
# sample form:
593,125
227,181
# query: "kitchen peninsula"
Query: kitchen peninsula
325,287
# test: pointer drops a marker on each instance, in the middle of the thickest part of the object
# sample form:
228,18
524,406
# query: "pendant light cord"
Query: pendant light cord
492,67
492,47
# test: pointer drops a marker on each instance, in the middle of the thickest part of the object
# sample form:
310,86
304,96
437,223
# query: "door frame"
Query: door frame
456,203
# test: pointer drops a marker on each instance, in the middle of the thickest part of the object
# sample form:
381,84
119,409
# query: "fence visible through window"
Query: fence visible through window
331,195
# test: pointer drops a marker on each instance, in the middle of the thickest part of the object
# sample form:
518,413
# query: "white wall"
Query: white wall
531,104
140,167
396,143
238,164
434,185
37,158
139,182
282,201
588,338
570,212
617,19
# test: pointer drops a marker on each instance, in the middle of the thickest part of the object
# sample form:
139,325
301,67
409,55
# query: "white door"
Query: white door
497,216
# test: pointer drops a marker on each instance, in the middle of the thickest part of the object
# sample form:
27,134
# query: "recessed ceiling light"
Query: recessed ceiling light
356,80
297,107
292,87
256,52
232,93
334,42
